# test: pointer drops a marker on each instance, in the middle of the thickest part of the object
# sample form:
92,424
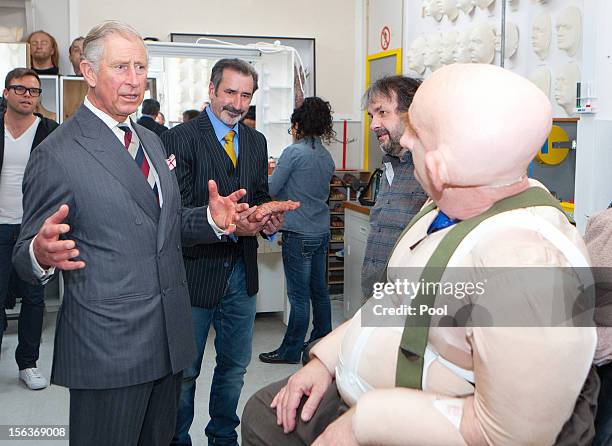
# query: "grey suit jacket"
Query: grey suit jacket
125,318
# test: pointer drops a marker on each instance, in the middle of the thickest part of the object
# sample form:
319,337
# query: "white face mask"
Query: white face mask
541,35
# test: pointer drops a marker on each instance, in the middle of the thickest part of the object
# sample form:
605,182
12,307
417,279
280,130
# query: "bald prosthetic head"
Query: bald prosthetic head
474,125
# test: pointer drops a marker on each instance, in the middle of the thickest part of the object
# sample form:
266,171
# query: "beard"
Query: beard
231,120
392,146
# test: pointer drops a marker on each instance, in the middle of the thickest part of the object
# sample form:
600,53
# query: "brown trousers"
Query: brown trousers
579,430
259,426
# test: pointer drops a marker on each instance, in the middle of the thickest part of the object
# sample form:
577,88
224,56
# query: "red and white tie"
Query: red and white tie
139,156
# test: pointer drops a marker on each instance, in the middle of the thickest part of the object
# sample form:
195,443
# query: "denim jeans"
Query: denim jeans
233,320
32,302
304,259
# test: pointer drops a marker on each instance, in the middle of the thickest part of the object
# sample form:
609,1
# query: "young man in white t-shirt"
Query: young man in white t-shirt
21,131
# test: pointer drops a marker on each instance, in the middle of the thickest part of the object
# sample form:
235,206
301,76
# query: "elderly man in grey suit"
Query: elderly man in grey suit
102,204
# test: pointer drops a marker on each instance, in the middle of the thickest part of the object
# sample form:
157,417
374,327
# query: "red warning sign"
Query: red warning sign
385,38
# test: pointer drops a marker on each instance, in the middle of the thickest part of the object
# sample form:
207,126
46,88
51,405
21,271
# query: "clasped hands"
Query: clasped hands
267,218
247,221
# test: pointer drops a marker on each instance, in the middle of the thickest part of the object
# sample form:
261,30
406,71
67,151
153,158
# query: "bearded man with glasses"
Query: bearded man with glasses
22,130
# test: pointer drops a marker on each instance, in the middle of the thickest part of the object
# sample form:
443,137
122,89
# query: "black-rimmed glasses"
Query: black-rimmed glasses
20,90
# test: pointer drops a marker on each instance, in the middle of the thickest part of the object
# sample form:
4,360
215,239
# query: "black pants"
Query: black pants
144,414
32,302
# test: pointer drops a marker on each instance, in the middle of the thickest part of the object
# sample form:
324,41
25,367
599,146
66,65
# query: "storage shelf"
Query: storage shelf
335,265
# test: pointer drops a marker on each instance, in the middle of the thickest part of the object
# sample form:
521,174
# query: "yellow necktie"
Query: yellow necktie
229,146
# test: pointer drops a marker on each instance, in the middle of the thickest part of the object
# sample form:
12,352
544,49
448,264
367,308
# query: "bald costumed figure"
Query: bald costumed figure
472,130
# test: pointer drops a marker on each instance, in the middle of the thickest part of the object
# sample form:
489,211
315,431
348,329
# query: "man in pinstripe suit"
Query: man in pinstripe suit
222,277
123,333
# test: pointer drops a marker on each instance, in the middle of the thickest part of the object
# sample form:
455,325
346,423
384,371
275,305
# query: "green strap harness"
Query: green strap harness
411,353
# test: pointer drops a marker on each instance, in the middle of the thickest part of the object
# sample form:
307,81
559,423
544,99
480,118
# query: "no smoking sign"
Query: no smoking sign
385,38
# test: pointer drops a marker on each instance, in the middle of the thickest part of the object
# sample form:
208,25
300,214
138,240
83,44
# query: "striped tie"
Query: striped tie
140,158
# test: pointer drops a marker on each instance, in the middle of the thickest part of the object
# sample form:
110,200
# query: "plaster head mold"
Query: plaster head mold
569,30
448,47
512,40
425,8
416,55
462,49
565,87
482,43
449,8
433,9
484,4
432,51
541,34
541,78
467,6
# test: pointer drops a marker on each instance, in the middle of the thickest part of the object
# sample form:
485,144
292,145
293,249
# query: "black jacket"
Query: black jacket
200,157
152,125
45,127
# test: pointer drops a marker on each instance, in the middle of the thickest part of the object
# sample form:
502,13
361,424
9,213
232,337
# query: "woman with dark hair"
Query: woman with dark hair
303,173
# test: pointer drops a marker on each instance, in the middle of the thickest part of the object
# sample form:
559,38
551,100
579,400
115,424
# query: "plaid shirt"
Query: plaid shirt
395,206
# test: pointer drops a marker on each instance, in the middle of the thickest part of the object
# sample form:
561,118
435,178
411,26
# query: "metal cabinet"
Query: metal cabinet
357,229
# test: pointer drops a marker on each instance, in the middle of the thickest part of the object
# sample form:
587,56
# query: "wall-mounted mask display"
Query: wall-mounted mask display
541,78
484,4
416,55
467,6
448,47
482,43
433,9
462,49
511,40
569,29
449,9
541,34
565,87
432,51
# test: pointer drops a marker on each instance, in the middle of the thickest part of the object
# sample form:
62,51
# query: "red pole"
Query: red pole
344,147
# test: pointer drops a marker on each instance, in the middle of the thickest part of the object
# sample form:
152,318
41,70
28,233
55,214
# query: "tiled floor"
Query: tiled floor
50,406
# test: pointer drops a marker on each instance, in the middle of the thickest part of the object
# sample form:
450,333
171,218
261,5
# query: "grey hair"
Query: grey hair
93,45
238,65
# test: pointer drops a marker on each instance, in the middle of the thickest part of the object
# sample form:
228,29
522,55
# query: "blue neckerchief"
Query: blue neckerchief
221,130
440,222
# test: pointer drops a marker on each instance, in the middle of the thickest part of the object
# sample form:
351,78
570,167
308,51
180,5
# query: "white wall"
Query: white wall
594,160
54,17
383,13
334,24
